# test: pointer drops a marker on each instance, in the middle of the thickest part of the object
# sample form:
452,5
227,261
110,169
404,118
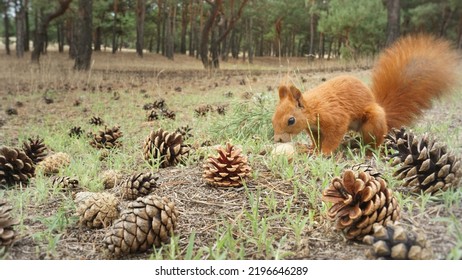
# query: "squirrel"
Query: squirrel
407,76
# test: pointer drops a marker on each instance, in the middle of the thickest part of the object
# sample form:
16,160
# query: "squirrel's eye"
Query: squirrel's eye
291,121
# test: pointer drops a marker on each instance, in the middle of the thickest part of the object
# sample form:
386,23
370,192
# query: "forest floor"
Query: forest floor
278,214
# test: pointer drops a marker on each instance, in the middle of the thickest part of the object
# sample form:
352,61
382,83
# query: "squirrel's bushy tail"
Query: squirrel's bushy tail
410,73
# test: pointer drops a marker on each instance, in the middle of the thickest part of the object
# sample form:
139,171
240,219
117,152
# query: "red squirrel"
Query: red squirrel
405,79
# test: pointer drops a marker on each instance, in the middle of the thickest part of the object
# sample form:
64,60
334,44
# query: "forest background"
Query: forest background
219,30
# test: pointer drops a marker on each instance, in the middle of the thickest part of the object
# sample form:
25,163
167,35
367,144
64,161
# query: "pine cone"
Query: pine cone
66,183
146,222
7,233
228,169
360,200
11,111
392,241
15,166
185,131
221,110
98,210
138,184
35,149
75,131
53,163
167,148
96,120
168,114
202,111
148,106
153,115
107,138
426,165
111,178
368,168
159,104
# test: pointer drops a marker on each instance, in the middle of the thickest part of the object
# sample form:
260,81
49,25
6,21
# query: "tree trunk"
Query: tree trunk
114,26
312,33
249,39
393,20
98,40
140,15
234,45
60,36
83,57
27,34
159,26
321,46
184,26
20,28
6,22
446,18
41,32
192,27
170,32
459,35
204,51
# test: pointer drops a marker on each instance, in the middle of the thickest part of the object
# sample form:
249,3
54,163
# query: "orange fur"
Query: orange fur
405,80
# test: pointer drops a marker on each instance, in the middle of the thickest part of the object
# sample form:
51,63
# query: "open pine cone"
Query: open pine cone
53,163
392,241
228,169
202,111
75,131
425,165
167,148
35,149
360,200
168,114
7,233
153,115
147,221
107,138
96,121
98,210
185,131
138,184
66,183
15,166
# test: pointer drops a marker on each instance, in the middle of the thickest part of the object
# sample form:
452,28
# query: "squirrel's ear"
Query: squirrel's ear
297,95
284,92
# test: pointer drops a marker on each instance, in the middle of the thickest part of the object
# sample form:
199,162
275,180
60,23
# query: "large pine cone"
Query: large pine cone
7,233
163,147
53,163
426,165
146,222
98,210
228,169
107,138
35,149
392,241
138,184
360,200
15,166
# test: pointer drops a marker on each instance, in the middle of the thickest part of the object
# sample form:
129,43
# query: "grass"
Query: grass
278,214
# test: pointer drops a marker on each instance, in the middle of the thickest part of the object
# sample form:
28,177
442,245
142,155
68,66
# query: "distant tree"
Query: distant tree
393,20
140,16
42,26
4,6
84,36
20,26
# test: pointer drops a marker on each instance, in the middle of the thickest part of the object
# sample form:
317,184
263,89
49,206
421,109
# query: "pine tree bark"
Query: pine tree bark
6,29
393,21
170,32
27,34
98,41
60,36
140,16
114,26
41,32
20,28
84,35
192,27
184,26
